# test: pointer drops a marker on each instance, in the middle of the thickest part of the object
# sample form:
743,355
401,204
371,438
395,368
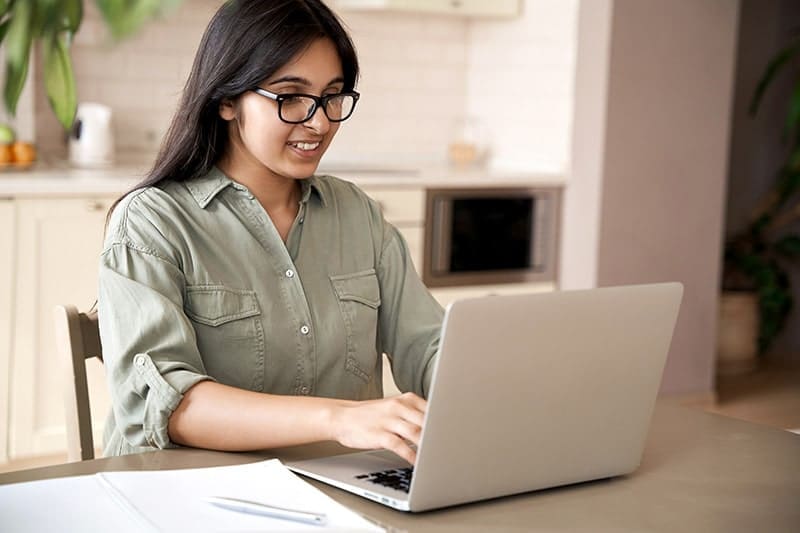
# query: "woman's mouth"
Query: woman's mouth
306,147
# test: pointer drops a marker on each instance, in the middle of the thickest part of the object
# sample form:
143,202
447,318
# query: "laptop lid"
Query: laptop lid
539,390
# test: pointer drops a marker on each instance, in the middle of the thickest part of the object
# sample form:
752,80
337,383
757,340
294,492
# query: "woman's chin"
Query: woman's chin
304,170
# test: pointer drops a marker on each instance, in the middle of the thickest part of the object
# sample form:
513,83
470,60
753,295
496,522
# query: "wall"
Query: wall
666,150
580,223
520,78
757,146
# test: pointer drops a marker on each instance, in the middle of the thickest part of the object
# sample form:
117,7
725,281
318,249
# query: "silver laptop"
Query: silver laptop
529,392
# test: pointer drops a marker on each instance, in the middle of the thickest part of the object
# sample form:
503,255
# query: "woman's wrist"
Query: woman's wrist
332,418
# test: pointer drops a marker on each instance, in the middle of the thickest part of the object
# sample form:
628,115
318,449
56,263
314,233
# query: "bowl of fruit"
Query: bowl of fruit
15,154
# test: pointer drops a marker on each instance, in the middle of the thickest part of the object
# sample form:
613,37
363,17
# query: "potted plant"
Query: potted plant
53,24
758,260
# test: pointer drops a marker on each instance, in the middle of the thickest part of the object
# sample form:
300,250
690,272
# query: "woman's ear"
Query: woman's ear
227,109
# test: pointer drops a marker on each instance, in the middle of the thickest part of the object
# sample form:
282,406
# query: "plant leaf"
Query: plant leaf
126,17
72,13
59,80
773,68
4,29
789,246
15,81
19,37
793,116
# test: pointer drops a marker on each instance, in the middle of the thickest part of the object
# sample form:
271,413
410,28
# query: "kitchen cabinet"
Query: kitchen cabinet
7,228
405,209
470,8
57,246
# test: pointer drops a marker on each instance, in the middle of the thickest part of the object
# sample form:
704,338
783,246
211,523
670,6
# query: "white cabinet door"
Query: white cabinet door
473,8
58,247
405,209
7,224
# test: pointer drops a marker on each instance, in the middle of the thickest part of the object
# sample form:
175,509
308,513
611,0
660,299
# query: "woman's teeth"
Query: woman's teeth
305,146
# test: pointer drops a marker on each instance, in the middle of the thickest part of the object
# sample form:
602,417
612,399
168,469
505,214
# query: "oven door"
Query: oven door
488,236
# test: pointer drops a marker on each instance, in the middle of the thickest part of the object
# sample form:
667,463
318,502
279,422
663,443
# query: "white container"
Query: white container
91,141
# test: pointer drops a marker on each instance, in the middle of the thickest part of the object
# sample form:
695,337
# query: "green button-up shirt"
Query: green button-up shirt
196,284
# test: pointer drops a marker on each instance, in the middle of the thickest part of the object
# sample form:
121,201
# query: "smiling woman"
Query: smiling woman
245,302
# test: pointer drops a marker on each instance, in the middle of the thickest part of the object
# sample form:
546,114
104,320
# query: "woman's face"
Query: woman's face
260,141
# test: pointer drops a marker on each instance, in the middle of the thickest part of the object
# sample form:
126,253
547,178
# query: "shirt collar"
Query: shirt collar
206,188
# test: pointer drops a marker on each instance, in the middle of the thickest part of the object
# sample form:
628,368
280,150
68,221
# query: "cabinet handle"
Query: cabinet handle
95,206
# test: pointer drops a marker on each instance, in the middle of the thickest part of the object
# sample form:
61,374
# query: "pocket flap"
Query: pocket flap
359,287
215,305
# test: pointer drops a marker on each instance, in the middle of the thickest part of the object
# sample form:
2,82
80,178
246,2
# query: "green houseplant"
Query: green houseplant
53,24
761,257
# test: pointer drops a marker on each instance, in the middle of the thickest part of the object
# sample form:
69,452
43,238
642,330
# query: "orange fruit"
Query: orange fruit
24,153
6,154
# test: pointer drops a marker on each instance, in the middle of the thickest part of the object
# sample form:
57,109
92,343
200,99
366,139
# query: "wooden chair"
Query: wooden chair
78,339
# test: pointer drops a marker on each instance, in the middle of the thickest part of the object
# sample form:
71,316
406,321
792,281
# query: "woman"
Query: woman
244,303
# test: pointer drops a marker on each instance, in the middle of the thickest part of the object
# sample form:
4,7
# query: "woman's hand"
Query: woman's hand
389,423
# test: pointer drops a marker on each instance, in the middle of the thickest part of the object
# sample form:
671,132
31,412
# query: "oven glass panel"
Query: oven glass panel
491,234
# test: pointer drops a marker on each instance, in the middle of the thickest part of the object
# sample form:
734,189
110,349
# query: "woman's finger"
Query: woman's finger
405,430
397,445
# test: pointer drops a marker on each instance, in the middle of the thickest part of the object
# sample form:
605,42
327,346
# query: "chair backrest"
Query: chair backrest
77,339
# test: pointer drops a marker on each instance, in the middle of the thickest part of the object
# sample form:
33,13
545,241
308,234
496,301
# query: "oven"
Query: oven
479,236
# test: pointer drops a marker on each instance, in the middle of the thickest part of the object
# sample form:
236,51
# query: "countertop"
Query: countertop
60,179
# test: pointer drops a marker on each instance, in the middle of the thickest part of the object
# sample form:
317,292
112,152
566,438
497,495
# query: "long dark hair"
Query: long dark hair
245,43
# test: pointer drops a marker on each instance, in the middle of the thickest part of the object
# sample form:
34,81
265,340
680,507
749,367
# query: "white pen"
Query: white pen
244,506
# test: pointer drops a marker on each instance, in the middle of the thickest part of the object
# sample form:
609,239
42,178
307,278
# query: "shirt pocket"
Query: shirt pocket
230,335
359,299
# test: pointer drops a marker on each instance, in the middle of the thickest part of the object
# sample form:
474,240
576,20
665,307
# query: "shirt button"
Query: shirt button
290,273
140,360
304,330
302,219
304,390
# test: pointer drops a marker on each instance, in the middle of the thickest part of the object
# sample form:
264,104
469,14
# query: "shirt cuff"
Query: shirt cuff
162,396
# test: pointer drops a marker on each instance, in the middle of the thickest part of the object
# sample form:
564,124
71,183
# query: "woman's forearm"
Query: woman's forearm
220,417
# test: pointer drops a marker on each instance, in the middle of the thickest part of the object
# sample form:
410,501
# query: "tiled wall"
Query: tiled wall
520,79
415,75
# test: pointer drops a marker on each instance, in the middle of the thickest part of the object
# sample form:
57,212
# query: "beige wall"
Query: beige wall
666,150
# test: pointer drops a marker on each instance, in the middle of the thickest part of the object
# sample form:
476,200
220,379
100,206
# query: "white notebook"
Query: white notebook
170,500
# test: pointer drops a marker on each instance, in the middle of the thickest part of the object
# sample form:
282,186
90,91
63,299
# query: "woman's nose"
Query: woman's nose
319,121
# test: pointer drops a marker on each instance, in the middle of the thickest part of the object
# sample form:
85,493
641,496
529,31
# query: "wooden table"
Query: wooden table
700,472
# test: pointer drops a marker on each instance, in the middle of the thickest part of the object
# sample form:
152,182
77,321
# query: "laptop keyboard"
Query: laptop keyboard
395,478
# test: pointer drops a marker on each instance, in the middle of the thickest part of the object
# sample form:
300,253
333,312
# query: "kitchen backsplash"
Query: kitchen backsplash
421,74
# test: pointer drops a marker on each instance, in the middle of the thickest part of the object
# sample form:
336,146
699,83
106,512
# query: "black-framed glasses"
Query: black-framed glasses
296,108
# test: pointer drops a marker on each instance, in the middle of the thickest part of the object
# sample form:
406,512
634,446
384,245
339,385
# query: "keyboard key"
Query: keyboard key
398,478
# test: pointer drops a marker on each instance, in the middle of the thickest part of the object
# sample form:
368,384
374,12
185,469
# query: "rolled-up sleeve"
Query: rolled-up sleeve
410,319
149,346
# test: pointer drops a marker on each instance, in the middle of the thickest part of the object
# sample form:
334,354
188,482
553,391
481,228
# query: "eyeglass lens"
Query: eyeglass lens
300,108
